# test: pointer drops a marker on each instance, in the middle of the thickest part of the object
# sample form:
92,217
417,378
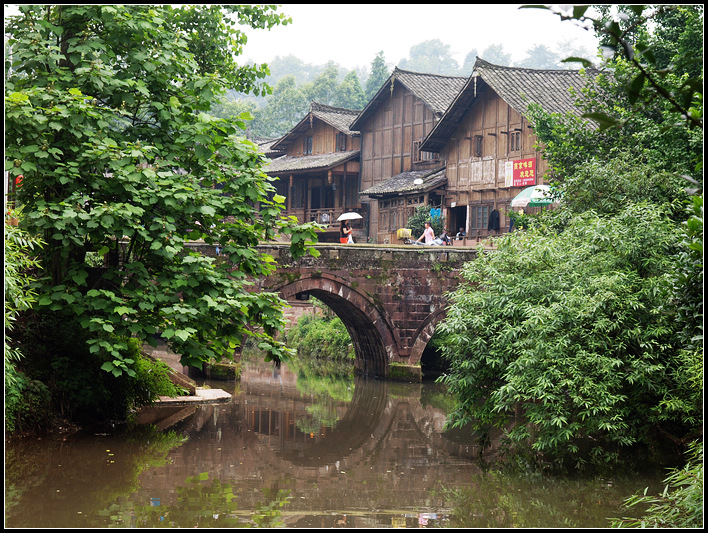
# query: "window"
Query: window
479,217
415,200
478,145
341,142
307,146
422,156
515,141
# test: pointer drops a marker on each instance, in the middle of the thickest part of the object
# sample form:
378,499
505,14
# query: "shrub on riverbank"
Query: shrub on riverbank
78,388
321,337
574,330
583,334
26,400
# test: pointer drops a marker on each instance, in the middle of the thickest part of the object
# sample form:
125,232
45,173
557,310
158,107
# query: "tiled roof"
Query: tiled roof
337,117
405,183
435,91
309,163
521,86
265,146
517,86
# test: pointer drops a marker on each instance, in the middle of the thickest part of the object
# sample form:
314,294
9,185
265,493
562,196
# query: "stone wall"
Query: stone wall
390,298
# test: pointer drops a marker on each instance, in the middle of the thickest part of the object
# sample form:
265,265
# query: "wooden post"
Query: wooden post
290,193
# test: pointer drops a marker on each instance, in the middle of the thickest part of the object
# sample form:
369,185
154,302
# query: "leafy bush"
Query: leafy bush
151,379
321,337
81,390
26,401
574,329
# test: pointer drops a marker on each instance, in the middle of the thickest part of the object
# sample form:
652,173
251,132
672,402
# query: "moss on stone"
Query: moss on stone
404,372
224,371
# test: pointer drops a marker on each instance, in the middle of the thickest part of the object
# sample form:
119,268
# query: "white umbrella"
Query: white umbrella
535,196
349,216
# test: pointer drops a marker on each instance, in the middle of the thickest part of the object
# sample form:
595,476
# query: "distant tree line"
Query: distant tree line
295,83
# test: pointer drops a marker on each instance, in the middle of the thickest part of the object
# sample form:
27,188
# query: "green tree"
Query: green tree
284,108
494,53
233,110
215,41
349,93
588,324
288,65
416,222
107,119
570,327
663,48
468,65
540,57
379,74
324,87
20,393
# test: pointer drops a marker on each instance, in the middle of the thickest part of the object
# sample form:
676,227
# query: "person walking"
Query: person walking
345,232
428,234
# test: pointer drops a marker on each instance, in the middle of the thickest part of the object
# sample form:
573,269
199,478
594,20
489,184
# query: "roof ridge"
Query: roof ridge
397,69
529,69
316,106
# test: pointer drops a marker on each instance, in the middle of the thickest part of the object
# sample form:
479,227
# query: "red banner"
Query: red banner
520,173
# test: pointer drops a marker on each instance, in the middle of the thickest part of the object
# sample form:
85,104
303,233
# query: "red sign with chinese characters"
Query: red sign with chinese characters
520,173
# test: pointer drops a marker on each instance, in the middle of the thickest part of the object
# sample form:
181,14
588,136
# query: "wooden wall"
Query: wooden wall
495,121
477,183
324,140
388,137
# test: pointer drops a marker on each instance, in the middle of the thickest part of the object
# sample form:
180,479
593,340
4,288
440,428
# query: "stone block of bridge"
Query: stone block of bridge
389,298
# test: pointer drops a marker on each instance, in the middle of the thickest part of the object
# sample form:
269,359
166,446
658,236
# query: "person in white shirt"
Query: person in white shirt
428,234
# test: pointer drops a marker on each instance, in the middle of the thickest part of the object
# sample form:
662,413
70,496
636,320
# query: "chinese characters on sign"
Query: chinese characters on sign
520,173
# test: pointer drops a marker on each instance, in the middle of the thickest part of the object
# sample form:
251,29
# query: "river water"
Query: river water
298,451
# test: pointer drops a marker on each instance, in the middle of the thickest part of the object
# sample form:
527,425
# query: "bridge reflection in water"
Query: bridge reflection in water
379,449
368,453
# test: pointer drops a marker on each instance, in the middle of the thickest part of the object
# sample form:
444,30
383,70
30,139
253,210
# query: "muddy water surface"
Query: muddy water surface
296,452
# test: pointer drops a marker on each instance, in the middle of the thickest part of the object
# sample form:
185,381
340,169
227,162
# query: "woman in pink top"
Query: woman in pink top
428,234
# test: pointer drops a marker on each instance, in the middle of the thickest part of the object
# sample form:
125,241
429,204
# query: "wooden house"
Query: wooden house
488,144
319,173
397,175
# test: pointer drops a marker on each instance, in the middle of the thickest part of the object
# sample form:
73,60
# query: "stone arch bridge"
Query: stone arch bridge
388,298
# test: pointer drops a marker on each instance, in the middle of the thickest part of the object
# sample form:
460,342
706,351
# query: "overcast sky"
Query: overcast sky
352,34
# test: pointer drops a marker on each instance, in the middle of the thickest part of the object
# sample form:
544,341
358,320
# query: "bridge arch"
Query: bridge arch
374,338
423,335
389,298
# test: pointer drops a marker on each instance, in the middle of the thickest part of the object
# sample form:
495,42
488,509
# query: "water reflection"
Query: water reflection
297,451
